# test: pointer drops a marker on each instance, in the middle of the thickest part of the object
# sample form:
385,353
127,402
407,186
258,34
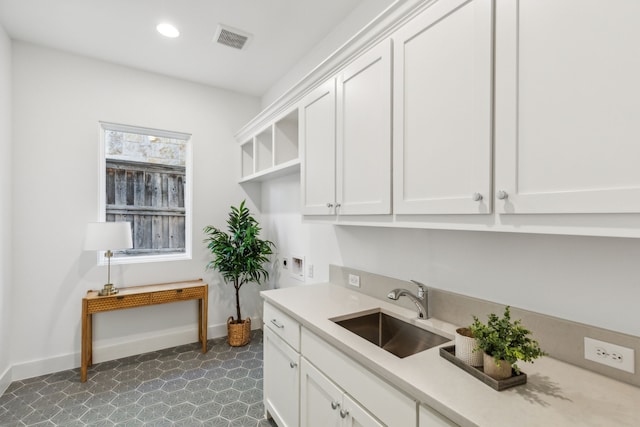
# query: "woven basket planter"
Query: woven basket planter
239,334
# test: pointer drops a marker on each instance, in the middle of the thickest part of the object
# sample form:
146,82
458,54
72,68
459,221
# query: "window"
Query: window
146,181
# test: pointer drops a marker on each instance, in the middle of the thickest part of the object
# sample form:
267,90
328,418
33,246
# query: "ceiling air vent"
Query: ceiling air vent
231,37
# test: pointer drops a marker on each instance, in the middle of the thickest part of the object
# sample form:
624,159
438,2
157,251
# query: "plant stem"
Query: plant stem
235,284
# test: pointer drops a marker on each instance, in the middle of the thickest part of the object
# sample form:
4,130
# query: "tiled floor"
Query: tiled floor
179,386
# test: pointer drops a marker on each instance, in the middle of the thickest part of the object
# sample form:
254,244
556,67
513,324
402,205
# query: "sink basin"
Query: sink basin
394,335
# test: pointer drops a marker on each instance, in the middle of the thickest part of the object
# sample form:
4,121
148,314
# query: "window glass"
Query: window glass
146,183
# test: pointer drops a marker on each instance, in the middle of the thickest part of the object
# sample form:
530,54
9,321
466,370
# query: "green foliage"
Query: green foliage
240,254
506,340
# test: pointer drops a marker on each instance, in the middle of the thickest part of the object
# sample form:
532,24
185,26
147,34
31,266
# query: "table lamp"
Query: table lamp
107,236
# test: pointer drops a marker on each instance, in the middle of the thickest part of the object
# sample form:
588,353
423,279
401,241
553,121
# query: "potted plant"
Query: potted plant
239,256
504,343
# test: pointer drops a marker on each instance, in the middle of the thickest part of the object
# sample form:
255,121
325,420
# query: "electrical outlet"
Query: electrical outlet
613,355
310,271
354,280
285,263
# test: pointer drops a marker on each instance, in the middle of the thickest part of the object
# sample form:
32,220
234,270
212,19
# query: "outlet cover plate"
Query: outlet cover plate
612,355
354,280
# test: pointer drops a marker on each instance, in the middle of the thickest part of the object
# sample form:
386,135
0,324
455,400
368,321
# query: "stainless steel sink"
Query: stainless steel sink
394,335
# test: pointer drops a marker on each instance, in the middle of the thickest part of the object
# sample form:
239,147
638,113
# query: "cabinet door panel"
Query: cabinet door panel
567,106
364,134
281,380
356,416
442,110
317,136
320,399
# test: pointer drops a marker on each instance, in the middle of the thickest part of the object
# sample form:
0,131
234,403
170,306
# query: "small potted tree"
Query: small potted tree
239,256
504,343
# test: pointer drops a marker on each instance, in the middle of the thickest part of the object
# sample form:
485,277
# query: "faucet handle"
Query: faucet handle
422,288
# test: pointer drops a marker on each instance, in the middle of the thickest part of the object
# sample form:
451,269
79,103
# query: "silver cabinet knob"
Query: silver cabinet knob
476,197
329,205
344,413
502,195
338,205
335,405
293,364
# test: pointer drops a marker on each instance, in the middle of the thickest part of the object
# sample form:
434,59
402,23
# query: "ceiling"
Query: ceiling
124,32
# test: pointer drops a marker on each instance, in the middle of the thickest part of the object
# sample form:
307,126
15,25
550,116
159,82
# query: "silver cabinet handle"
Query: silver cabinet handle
476,197
344,413
502,195
329,205
276,324
335,405
293,364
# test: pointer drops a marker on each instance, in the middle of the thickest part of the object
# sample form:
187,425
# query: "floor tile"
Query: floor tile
179,386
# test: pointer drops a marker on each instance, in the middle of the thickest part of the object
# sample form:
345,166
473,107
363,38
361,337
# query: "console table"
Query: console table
140,296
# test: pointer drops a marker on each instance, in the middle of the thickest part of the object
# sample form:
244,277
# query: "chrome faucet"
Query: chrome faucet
420,300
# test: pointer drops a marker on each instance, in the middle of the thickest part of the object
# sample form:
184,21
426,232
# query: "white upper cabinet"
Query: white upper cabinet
345,134
364,134
317,127
442,110
567,106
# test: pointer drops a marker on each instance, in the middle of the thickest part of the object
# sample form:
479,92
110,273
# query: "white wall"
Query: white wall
5,207
350,25
59,99
591,280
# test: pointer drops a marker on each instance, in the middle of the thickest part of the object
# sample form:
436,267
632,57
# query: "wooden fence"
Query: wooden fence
151,198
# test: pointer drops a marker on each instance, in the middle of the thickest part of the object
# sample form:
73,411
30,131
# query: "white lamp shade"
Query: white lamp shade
102,236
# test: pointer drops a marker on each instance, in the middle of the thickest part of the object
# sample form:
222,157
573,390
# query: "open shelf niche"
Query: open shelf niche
273,151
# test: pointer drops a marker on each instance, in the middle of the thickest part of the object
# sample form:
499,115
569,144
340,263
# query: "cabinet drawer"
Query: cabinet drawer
283,325
117,302
388,404
176,295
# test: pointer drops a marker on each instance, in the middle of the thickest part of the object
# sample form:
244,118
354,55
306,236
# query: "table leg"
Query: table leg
204,319
90,340
83,350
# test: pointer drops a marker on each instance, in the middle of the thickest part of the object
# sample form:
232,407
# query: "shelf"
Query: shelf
272,151
290,167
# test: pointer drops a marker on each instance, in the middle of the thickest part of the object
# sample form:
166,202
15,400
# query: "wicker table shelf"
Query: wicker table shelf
140,296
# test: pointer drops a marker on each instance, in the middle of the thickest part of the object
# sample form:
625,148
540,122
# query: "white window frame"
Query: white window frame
102,200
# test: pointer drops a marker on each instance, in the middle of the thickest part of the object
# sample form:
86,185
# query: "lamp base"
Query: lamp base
108,289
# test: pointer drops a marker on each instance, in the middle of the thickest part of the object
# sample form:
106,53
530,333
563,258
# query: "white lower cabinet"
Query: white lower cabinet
431,418
324,404
281,377
386,404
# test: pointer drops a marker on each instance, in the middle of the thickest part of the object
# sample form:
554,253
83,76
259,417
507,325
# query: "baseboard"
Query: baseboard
5,380
106,350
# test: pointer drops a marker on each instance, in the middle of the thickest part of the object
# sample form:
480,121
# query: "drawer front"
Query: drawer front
384,401
283,325
117,302
177,295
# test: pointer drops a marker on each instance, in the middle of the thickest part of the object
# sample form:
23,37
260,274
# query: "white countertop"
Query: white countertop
556,393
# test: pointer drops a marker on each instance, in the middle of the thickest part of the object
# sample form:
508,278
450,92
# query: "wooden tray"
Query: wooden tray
449,353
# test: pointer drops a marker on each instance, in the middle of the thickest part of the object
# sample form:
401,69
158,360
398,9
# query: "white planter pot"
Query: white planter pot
465,346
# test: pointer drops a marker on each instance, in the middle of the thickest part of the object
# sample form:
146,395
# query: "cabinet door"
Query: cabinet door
320,399
567,109
431,418
317,127
353,415
443,110
364,134
281,380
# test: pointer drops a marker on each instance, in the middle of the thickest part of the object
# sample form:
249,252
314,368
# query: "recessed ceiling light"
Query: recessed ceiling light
168,30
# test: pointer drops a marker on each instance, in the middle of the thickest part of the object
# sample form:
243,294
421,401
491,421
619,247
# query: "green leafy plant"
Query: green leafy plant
506,340
240,254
